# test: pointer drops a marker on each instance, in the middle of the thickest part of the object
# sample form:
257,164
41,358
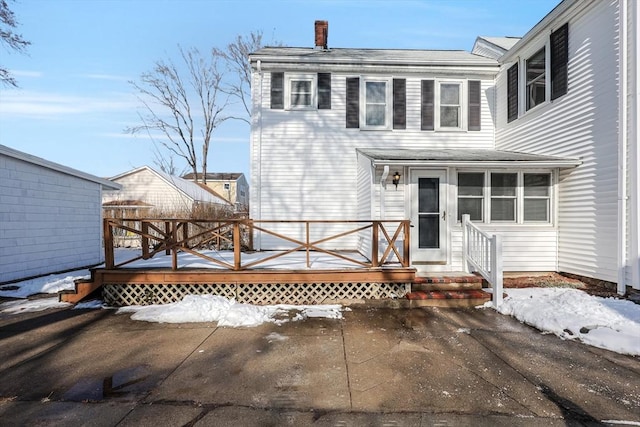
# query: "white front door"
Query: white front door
428,216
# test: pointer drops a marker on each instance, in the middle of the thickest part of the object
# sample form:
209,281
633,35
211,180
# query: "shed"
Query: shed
50,216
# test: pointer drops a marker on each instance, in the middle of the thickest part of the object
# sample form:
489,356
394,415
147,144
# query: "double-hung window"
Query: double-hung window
540,75
375,103
300,91
450,110
536,82
505,197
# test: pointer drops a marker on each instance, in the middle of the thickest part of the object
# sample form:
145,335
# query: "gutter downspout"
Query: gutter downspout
383,186
633,117
622,151
258,242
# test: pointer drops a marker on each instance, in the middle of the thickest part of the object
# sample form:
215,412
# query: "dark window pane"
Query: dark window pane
470,184
473,207
536,80
449,117
375,115
536,184
536,210
503,210
429,231
376,92
503,184
428,197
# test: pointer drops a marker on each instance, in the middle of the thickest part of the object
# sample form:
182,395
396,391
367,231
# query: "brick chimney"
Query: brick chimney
322,34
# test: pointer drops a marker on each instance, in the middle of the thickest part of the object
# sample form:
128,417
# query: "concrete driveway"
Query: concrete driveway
375,367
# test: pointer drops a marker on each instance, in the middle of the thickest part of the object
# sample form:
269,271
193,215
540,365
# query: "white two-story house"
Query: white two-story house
535,138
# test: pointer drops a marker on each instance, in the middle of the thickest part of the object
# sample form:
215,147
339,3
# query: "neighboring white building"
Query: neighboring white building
535,138
50,216
146,189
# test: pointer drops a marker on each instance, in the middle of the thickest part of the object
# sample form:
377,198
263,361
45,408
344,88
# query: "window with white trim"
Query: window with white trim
505,197
536,79
376,103
450,111
300,92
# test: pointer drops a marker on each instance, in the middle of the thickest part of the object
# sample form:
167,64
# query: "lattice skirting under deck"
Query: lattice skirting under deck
118,295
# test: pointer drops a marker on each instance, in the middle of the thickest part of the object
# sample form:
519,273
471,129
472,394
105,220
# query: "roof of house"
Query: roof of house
10,152
386,57
465,156
218,176
187,188
504,43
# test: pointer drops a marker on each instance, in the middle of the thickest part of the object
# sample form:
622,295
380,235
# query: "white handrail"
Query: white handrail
483,253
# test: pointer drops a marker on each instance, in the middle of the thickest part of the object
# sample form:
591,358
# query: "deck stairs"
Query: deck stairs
447,290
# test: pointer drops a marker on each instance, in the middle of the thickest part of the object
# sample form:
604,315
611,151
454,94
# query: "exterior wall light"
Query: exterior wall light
396,179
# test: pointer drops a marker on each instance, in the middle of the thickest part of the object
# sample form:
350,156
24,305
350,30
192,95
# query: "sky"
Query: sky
571,314
75,97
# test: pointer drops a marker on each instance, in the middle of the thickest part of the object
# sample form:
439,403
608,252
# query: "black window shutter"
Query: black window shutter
353,102
512,93
427,105
324,91
559,60
474,105
399,103
277,91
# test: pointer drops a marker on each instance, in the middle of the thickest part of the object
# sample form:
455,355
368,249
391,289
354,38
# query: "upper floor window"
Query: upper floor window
300,91
375,105
443,108
543,75
536,79
450,106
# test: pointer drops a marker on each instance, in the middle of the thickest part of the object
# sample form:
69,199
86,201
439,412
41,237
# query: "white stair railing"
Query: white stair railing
483,253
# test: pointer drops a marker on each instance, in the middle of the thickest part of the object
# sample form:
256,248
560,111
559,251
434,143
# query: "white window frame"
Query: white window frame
462,115
519,197
522,76
288,79
388,116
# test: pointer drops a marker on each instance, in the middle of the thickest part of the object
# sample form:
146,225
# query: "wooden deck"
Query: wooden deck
181,257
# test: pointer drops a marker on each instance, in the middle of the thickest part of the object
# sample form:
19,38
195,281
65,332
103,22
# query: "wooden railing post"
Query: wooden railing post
144,226
109,258
174,249
307,226
406,249
167,230
237,261
374,244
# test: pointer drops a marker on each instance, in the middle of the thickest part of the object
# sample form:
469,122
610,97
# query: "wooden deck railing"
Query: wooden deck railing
193,235
483,253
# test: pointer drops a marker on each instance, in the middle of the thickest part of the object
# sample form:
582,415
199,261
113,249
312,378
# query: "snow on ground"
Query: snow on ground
213,308
609,323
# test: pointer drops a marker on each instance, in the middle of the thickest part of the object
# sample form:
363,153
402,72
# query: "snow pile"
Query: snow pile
28,306
609,323
213,308
42,285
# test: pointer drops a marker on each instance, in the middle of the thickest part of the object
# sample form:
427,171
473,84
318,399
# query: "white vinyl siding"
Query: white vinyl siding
307,168
49,221
581,124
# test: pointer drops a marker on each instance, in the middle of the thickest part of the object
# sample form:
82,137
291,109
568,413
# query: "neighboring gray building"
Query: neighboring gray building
50,216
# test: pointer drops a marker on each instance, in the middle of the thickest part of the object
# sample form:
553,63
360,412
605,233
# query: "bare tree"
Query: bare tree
185,106
10,40
236,57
